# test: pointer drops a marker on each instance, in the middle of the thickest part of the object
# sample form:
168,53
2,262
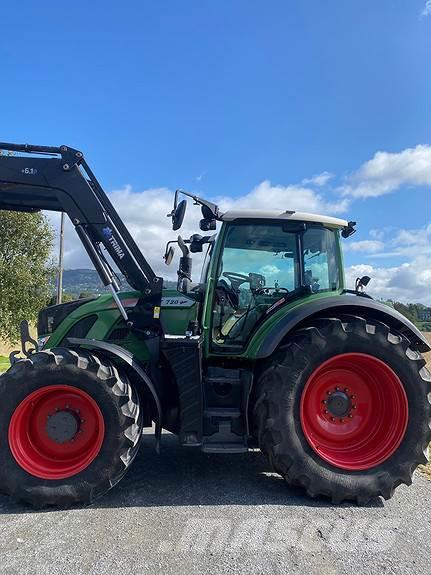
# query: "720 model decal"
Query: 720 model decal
177,302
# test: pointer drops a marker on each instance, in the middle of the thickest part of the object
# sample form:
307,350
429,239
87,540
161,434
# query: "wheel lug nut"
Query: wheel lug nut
82,420
353,406
324,401
329,392
67,406
341,420
353,396
337,389
346,389
332,418
350,415
326,411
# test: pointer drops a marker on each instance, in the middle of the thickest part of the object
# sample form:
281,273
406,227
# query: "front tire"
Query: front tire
343,409
70,426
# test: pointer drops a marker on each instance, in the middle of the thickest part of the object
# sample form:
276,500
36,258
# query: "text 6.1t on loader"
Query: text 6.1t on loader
269,349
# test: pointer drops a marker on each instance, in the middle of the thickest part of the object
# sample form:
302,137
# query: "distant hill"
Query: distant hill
79,281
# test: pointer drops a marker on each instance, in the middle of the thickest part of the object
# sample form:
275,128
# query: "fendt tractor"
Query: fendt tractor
268,350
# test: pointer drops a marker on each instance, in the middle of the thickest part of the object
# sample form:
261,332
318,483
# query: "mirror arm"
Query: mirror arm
214,209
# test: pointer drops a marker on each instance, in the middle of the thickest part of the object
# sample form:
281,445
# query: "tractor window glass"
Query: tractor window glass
320,260
260,265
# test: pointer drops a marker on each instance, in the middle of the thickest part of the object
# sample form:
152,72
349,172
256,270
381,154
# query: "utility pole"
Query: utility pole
60,262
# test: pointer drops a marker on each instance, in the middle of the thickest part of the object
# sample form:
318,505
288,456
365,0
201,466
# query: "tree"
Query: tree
26,269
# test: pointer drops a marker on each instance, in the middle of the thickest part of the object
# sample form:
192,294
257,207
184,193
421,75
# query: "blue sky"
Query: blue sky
244,101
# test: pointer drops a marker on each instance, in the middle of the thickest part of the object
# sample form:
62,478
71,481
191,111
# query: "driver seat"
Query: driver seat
245,323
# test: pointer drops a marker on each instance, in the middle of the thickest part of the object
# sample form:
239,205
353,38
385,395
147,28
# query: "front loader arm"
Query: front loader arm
36,178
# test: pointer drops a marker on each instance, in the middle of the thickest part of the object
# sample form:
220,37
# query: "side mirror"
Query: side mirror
207,225
169,254
178,215
362,282
348,230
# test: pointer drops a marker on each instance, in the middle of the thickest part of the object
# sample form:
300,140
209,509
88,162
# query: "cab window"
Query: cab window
263,263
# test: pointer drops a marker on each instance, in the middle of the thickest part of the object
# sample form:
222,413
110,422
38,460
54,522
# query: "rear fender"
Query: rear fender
344,304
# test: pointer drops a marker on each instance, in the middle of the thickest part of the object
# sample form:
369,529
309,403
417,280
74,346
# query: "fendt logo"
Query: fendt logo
107,232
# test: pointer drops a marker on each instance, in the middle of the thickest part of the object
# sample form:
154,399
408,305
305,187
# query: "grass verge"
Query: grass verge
4,363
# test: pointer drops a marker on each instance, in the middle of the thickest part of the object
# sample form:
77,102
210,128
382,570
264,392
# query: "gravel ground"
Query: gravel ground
188,512
184,512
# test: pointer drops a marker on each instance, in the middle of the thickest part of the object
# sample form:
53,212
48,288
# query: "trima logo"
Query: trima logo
107,232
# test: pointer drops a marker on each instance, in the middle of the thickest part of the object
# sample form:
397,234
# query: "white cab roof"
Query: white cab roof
231,215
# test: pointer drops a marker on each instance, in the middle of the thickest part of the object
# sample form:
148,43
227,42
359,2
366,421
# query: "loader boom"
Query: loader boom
34,178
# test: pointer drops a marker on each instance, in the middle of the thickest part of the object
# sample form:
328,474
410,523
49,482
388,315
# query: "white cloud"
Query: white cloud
427,9
377,234
386,172
266,196
144,213
409,282
318,179
269,270
368,246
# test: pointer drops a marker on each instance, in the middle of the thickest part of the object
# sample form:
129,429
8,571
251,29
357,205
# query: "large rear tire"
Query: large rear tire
70,426
343,409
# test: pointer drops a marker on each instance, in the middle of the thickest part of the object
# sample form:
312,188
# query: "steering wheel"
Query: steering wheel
236,278
271,290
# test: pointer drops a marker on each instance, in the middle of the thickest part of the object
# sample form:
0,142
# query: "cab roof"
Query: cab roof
232,215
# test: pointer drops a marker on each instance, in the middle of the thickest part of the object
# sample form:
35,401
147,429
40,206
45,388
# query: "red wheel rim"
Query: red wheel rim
354,411
56,432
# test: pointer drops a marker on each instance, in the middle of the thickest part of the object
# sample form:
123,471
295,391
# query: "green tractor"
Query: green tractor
268,350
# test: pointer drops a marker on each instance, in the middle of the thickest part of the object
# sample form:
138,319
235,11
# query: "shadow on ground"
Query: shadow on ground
179,476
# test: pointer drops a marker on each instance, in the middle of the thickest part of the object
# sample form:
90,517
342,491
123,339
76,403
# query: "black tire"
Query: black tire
118,403
277,408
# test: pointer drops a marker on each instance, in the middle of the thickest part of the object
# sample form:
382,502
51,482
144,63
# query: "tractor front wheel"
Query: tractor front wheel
343,409
70,425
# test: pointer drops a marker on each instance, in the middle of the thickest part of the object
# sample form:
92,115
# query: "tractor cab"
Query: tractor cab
265,261
259,261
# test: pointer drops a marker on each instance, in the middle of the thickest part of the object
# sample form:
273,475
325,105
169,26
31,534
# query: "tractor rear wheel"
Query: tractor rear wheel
343,409
70,426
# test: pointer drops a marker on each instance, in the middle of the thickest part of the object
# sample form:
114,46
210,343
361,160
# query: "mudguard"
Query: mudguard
125,356
356,305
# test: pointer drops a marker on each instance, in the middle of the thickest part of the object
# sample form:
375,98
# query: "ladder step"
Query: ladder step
231,412
224,448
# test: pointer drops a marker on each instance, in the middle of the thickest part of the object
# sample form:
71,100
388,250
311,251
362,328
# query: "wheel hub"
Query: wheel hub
62,426
339,404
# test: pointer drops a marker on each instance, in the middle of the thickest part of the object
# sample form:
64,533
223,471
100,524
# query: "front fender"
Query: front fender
125,356
347,304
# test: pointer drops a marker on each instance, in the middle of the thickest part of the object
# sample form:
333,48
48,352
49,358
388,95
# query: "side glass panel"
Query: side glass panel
260,264
320,260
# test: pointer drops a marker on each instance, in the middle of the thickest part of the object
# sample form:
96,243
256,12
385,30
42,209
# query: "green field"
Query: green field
4,363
